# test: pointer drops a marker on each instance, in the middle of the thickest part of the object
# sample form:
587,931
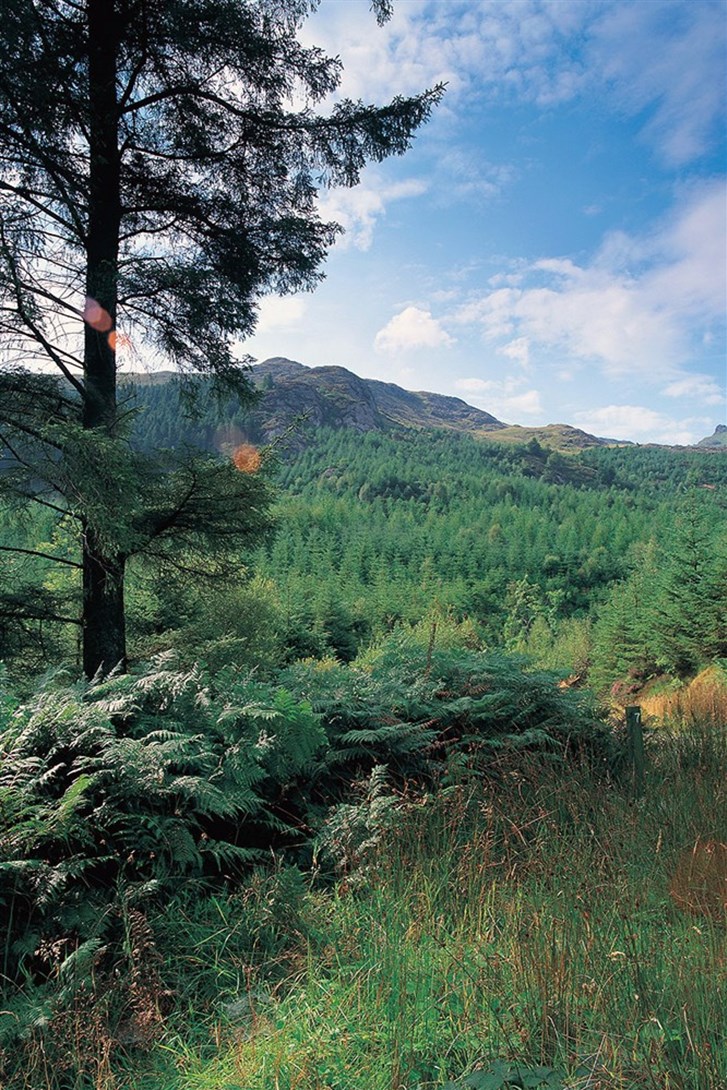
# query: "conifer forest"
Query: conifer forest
315,771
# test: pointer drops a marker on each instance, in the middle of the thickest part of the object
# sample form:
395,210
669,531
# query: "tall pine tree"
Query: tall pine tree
159,167
691,602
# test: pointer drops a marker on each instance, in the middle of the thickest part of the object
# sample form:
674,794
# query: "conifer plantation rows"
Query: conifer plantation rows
599,563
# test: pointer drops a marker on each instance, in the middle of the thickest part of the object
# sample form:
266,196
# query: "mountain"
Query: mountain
335,397
718,441
304,398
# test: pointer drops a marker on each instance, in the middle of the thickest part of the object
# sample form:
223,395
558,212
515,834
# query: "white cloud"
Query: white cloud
504,398
525,404
701,387
465,174
660,60
634,308
358,210
644,425
665,60
518,350
693,272
279,312
412,328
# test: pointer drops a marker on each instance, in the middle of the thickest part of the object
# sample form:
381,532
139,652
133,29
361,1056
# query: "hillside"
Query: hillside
301,399
309,398
717,441
336,397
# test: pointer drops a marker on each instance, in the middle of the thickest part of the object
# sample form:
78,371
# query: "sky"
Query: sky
553,247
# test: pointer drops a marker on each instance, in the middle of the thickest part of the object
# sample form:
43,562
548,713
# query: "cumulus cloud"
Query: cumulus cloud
412,328
641,424
632,308
279,312
505,398
700,387
518,350
358,210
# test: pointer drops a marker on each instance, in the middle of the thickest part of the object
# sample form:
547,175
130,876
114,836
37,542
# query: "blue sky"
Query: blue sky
553,247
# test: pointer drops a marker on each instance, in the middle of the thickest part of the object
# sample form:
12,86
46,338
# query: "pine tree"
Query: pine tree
691,606
155,181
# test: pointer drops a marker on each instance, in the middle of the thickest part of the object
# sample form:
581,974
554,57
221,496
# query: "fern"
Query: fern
415,709
136,782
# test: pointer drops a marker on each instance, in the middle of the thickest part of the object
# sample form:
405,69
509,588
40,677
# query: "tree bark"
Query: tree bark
104,628
104,638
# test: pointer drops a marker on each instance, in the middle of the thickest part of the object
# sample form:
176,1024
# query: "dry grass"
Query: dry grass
702,700
540,918
699,884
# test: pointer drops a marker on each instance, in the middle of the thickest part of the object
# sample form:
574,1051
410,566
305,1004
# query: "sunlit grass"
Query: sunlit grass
526,917
701,701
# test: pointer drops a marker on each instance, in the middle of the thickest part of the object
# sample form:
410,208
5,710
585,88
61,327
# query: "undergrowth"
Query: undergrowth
518,928
514,920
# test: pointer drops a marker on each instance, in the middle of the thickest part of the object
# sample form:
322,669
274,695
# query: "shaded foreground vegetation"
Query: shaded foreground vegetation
525,917
512,904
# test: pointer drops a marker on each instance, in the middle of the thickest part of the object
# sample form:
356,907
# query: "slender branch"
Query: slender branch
39,337
26,195
43,556
154,529
35,498
133,77
57,300
64,180
26,430
20,611
186,569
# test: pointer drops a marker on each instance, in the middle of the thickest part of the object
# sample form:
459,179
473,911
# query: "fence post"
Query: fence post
636,746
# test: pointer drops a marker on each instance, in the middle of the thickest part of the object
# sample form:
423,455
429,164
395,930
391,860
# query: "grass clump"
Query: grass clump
517,928
485,903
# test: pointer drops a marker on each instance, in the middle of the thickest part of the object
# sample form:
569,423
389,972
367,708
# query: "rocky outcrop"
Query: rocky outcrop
717,441
321,396
335,397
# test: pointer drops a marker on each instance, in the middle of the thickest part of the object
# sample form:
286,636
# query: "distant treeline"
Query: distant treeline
596,562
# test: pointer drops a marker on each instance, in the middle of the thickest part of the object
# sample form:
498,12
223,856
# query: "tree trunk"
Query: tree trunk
104,628
104,640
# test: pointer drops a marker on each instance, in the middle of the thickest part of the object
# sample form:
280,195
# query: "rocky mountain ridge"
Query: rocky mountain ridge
336,397
293,394
717,441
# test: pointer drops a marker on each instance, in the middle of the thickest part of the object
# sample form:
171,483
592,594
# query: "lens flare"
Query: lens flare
247,458
96,316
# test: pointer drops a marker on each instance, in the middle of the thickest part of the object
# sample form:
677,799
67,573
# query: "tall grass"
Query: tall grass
528,916
702,700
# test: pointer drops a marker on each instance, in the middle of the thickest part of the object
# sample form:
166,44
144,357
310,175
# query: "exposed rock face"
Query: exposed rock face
716,441
325,396
336,397
428,410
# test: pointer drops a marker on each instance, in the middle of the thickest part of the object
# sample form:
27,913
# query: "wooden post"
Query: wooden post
636,746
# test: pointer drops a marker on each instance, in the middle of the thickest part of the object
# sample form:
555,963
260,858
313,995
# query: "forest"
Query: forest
404,697
387,756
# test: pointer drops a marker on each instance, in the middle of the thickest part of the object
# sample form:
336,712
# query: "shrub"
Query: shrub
416,708
113,793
